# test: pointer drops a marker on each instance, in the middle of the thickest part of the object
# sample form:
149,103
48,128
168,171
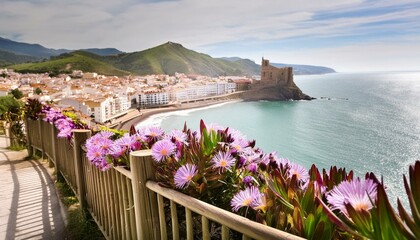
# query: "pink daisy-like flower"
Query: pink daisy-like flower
178,135
125,141
267,158
239,144
184,175
250,197
223,161
300,172
162,149
116,151
236,135
94,140
153,133
105,144
250,155
357,193
94,152
283,162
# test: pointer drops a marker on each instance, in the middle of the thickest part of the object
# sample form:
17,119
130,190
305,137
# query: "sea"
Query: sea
365,122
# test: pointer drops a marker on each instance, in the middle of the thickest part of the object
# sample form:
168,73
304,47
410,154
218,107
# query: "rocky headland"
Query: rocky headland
273,92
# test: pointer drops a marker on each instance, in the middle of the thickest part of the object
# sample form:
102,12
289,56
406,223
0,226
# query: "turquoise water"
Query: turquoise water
370,124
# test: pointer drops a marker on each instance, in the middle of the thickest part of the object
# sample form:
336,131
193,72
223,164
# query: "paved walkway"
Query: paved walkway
29,205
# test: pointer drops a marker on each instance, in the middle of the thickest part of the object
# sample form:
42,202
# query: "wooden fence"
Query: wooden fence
129,204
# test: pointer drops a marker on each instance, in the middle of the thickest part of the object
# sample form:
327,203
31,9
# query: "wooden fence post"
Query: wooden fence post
145,201
39,125
51,141
54,138
79,138
28,138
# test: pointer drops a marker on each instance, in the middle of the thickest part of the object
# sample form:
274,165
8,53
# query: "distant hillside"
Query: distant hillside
35,50
297,69
172,57
78,60
305,69
8,58
39,51
167,58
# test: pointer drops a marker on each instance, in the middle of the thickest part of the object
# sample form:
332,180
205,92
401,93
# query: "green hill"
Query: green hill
171,57
167,58
9,58
79,60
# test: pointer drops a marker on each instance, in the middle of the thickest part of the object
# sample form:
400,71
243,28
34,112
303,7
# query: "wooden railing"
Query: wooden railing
129,204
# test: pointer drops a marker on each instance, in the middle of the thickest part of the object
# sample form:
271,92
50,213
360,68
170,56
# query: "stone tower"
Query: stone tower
274,75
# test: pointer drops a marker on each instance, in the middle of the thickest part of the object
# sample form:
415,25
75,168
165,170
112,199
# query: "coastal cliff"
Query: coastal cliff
273,92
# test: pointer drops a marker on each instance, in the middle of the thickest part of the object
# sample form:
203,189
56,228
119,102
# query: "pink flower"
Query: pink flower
357,193
223,161
250,197
162,149
178,135
184,175
299,171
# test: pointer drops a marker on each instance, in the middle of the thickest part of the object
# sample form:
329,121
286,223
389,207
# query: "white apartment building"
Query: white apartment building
153,98
201,91
101,110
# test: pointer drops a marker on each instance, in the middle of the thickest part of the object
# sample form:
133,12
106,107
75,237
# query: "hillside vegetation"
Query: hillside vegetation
171,57
8,58
167,58
67,62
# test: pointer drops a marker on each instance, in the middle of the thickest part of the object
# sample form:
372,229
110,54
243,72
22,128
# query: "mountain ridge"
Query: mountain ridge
166,58
37,50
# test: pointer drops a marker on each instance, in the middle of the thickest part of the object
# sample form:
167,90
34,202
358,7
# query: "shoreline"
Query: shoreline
147,113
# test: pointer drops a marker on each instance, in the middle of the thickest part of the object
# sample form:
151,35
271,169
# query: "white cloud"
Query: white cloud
132,25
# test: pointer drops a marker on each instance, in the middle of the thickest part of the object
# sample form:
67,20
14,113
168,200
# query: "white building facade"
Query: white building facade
202,91
153,99
101,110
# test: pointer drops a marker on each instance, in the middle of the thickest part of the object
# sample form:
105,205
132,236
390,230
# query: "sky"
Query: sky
347,35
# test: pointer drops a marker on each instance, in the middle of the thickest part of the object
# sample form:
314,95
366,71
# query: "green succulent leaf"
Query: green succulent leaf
386,224
277,191
309,225
336,220
362,220
415,229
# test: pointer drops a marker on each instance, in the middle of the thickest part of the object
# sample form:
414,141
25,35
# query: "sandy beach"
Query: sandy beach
134,117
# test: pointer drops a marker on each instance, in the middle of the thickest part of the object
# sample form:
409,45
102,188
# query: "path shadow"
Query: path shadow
35,211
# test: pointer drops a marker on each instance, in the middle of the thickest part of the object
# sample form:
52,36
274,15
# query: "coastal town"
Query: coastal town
115,100
103,99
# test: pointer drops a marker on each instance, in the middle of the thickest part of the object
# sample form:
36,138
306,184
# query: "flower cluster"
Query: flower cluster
65,122
111,148
220,166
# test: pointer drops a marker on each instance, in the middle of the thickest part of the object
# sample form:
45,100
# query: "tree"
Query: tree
38,91
16,93
9,104
11,112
